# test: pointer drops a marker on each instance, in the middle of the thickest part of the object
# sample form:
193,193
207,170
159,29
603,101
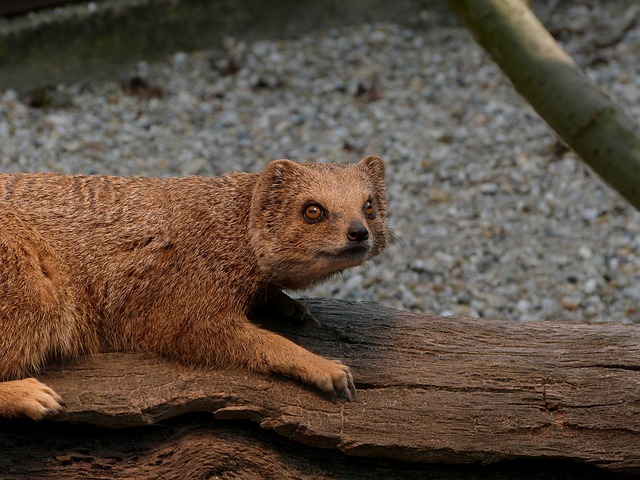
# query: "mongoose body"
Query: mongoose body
174,267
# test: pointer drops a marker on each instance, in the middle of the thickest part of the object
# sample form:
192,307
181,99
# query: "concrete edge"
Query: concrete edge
103,39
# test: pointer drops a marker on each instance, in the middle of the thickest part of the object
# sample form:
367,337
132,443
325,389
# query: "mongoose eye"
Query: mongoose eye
313,213
368,209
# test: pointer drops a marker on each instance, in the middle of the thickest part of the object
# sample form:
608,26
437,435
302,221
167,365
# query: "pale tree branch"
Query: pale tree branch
591,124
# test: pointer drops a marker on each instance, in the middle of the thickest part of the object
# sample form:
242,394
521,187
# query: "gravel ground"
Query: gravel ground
491,216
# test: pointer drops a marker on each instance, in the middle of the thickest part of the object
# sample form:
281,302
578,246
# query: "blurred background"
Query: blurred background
492,215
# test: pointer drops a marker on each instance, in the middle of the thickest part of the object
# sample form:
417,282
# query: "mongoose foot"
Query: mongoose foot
283,307
295,312
29,398
335,378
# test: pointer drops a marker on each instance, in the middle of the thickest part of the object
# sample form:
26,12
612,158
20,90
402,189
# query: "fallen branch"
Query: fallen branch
431,389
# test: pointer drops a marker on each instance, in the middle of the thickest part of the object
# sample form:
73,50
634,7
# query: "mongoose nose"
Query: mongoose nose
357,232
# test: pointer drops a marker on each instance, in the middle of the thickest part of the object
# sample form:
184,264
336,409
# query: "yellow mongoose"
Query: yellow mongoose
174,266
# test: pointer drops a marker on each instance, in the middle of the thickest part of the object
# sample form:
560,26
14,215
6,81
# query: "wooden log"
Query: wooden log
430,390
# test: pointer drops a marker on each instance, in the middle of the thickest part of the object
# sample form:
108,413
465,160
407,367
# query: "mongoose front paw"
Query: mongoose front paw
336,379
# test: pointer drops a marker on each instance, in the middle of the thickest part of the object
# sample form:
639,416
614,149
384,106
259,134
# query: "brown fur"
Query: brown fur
173,267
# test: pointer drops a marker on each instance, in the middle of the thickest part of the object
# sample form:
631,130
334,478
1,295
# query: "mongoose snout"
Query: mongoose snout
357,232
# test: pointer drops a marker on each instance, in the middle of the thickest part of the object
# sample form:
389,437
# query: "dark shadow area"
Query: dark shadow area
198,446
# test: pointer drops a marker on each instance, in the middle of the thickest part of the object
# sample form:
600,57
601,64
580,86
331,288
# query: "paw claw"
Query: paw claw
350,391
337,381
347,394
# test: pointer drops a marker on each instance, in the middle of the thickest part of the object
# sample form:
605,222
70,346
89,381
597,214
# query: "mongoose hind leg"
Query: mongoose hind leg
39,320
28,398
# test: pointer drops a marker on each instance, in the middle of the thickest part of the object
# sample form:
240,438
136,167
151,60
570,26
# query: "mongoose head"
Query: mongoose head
310,221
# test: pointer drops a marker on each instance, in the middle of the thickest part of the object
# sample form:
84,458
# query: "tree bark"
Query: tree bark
430,390
594,126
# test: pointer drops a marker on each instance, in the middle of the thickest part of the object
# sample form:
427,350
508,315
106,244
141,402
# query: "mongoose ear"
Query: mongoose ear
374,166
276,176
277,172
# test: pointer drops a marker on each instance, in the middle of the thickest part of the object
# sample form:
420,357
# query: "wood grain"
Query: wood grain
430,390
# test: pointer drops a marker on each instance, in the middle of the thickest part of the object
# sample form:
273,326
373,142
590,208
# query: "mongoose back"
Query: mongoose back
175,267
